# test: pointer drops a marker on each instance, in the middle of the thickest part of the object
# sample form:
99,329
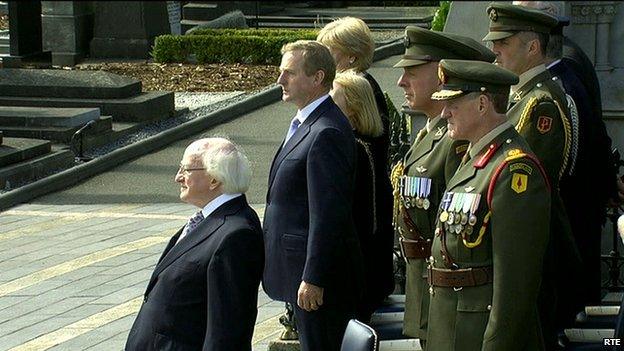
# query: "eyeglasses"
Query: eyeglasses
184,170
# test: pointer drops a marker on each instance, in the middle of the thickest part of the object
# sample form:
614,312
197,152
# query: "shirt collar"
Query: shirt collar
306,111
486,139
217,202
527,76
552,64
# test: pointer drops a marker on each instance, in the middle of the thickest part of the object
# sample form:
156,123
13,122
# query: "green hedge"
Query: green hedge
439,19
259,46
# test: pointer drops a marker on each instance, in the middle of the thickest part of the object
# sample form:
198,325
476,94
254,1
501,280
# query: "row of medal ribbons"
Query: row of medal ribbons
457,212
415,191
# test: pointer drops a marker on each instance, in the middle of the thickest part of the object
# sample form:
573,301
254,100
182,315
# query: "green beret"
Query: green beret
507,19
460,77
423,46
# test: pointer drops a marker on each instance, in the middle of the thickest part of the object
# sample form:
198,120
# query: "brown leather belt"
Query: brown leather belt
415,248
458,278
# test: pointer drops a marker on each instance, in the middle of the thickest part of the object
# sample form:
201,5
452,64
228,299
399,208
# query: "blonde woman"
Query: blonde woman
350,42
373,193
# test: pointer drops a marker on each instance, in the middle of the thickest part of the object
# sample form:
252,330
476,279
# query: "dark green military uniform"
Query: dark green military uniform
421,178
490,236
538,110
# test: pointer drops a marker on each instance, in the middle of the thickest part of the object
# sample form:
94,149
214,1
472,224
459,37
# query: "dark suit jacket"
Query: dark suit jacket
308,229
204,290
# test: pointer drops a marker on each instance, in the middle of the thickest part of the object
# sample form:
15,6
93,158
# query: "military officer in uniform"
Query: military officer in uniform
419,180
538,110
493,221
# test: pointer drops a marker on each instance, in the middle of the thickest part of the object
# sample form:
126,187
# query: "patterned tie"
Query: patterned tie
192,223
293,128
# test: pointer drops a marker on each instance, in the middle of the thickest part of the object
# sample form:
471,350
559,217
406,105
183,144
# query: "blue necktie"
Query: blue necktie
192,223
293,128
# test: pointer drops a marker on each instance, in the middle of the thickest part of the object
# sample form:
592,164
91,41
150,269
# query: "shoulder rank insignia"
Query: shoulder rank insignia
544,124
519,182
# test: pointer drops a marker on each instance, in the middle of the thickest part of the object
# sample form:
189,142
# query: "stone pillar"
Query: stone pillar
67,30
597,17
126,29
25,35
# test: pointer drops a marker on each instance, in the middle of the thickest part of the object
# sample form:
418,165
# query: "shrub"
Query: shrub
227,45
439,19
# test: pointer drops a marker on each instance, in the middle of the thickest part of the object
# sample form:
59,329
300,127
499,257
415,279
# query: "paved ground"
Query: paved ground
74,264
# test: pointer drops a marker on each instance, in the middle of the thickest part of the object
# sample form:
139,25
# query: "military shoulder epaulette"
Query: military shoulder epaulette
512,155
487,156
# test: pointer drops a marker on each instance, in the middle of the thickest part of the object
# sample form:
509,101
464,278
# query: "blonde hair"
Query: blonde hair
351,36
361,101
316,57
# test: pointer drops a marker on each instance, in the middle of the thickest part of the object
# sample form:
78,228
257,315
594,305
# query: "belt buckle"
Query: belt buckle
455,267
401,246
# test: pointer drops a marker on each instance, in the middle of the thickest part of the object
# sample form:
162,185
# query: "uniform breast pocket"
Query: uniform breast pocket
294,242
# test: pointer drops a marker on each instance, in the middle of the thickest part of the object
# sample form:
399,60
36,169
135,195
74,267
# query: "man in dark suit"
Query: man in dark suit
204,289
313,259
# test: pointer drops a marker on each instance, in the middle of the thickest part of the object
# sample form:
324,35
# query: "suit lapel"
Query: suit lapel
299,135
205,229
428,142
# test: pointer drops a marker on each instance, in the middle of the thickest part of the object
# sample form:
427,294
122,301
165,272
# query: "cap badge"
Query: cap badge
441,75
493,15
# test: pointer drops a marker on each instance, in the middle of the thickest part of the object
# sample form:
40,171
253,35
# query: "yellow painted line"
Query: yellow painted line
80,327
94,214
37,228
121,208
80,262
266,329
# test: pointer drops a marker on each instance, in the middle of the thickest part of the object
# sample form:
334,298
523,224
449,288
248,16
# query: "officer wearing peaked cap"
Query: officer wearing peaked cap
419,180
538,110
492,223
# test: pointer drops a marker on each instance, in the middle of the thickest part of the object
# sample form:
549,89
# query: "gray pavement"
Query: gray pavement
74,264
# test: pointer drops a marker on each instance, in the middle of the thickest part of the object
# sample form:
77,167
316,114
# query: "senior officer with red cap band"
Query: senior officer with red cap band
492,229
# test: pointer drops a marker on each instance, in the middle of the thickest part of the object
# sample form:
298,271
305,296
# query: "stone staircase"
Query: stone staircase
41,111
297,16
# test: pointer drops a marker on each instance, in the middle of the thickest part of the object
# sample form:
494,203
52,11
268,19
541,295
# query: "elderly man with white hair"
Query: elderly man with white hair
204,289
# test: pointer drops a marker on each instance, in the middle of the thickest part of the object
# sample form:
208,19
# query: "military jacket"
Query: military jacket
539,112
495,213
434,158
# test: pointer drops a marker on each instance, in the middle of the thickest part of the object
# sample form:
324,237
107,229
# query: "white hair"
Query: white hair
225,161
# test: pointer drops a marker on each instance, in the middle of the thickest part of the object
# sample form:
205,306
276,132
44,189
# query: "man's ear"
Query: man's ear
534,47
483,103
319,76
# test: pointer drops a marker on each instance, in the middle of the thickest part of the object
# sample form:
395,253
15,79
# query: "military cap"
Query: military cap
423,46
460,77
507,19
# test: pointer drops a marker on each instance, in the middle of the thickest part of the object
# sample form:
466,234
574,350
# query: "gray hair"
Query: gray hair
225,161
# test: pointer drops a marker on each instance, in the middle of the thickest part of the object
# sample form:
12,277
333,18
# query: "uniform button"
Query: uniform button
144,299
489,307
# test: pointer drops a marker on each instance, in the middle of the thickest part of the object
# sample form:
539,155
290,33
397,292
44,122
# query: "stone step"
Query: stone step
207,11
155,105
32,169
64,135
14,150
58,83
313,22
20,116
